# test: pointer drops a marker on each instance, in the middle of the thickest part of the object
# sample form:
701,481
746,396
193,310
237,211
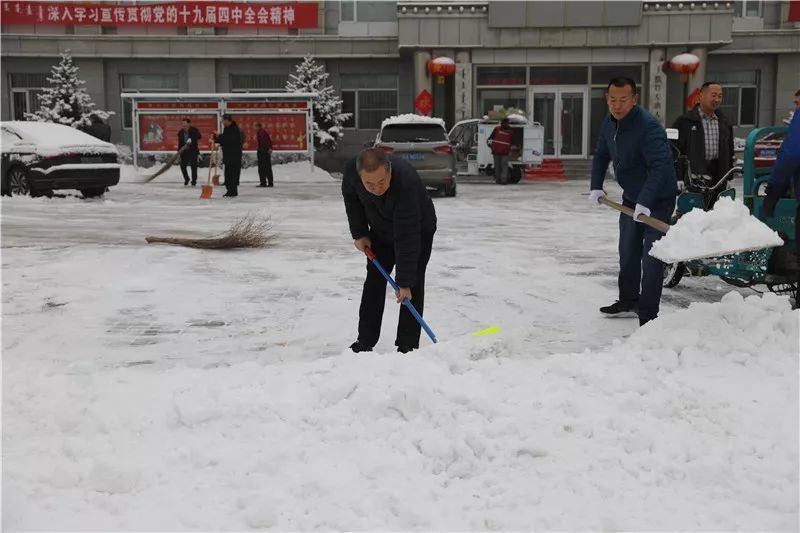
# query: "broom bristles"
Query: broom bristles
249,232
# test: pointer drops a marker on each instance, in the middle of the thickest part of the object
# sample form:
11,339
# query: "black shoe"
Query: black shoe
229,195
358,347
185,183
194,184
261,185
621,310
643,321
270,185
405,349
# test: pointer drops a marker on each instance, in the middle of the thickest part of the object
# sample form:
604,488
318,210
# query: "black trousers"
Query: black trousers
641,275
373,297
264,167
232,179
189,159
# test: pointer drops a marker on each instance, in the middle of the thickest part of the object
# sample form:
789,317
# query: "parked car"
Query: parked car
40,157
423,142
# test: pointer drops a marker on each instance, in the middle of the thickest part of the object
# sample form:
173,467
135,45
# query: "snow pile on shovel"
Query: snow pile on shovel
727,229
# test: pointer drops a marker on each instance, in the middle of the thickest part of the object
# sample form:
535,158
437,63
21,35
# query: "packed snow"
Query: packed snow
46,139
150,387
727,228
410,118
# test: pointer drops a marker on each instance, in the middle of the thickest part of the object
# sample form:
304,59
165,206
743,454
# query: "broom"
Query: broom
248,232
167,165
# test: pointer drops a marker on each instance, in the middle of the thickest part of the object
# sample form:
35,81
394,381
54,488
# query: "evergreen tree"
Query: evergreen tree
309,77
66,100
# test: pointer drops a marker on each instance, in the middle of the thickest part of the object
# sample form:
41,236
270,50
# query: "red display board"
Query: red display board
158,132
287,130
188,13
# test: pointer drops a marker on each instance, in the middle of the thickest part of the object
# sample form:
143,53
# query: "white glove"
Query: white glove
680,186
595,195
188,141
640,210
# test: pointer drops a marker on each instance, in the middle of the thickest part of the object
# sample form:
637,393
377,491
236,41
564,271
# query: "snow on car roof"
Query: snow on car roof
411,118
49,137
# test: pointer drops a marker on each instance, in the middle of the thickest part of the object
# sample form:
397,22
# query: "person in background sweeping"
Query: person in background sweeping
706,136
786,171
264,153
389,210
189,135
500,143
231,141
99,129
636,144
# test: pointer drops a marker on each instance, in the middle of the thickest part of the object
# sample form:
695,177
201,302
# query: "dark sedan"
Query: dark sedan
40,157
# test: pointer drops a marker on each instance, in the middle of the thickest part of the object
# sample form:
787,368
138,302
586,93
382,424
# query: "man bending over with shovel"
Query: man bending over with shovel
635,142
389,212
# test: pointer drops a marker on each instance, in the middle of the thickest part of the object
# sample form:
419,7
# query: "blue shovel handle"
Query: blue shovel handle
406,301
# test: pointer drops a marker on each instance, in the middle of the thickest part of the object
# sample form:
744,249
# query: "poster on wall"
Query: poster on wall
287,130
158,132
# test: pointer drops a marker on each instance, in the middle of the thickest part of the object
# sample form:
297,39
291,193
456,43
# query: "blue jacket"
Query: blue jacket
787,166
638,148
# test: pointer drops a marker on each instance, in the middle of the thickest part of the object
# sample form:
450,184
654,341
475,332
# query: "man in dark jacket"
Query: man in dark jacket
500,144
231,142
636,144
99,129
389,211
264,153
706,136
189,136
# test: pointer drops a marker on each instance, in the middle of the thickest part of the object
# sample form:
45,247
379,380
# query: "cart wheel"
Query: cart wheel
673,274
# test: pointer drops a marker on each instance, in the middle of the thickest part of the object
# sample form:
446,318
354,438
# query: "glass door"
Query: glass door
562,112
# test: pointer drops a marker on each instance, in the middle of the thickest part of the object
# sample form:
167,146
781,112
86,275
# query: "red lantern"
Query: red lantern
693,99
685,64
441,67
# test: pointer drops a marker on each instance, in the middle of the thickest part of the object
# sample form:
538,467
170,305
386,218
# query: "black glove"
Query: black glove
770,200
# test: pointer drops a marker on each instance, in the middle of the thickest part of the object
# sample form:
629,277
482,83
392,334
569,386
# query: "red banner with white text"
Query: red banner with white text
287,130
188,13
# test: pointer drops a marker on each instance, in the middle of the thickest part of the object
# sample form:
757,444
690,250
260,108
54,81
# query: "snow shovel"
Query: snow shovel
205,193
371,256
728,229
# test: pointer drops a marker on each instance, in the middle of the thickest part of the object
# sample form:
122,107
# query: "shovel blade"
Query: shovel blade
205,193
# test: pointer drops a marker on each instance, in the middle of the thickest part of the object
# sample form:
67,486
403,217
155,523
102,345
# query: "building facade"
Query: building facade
551,59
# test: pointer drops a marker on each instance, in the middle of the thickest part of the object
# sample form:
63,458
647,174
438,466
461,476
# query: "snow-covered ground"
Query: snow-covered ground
149,387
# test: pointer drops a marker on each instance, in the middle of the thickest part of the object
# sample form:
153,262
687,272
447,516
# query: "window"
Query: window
244,83
739,95
740,104
144,83
494,76
559,75
407,133
370,98
747,8
367,11
25,90
347,11
496,99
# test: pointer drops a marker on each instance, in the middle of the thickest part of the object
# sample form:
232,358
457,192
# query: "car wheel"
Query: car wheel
451,192
673,273
94,192
17,182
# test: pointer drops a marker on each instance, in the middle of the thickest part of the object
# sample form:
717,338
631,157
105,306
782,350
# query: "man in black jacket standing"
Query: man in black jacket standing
389,211
706,136
189,135
231,142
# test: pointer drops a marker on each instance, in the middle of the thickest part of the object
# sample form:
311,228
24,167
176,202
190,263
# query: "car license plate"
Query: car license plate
91,160
414,156
767,152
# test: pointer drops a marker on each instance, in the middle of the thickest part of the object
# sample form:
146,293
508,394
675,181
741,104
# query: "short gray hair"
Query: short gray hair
371,159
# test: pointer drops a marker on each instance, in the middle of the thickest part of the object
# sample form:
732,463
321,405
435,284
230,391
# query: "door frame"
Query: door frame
557,141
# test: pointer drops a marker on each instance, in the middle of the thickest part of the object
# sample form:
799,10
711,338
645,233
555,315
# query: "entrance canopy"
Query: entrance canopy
158,117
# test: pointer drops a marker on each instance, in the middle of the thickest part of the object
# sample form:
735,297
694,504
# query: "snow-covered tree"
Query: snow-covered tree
309,77
66,100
